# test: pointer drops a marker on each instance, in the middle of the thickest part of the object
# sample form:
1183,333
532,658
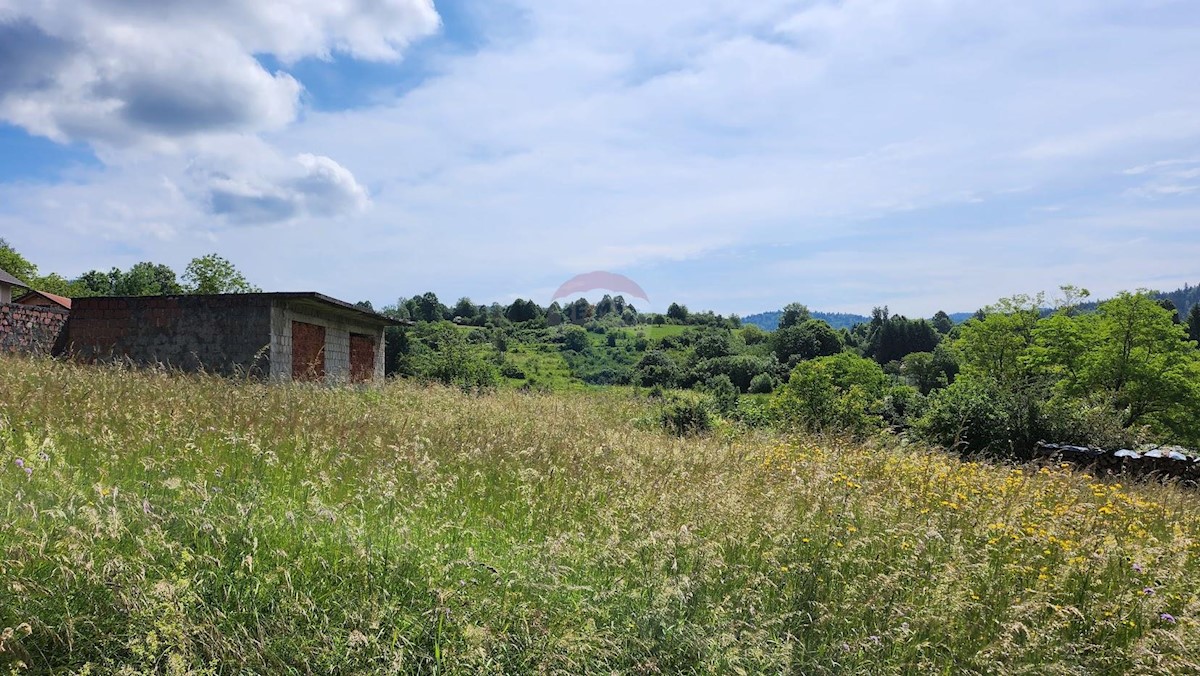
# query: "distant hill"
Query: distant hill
1183,299
769,321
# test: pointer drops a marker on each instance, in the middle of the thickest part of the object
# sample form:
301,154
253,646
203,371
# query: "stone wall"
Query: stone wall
27,329
228,335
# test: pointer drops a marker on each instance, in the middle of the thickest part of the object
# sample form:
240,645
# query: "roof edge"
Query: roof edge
271,295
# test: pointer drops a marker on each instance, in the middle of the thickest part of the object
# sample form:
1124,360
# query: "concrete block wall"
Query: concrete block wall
337,341
229,335
28,329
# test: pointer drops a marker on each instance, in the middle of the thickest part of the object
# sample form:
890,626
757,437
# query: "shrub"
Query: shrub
762,383
685,416
973,415
657,368
741,369
843,392
510,370
574,338
723,392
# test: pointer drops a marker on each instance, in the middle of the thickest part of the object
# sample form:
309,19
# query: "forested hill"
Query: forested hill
1183,299
769,321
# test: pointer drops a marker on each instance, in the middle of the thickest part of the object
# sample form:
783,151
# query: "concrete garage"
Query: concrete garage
277,336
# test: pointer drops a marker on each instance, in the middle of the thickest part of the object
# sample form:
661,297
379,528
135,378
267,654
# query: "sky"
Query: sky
733,156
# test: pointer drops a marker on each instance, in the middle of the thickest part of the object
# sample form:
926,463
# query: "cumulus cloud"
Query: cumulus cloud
921,152
121,73
262,186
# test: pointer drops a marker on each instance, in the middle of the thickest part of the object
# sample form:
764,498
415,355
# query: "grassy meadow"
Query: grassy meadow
157,523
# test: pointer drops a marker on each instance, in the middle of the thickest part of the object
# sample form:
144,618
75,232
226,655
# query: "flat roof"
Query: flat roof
311,297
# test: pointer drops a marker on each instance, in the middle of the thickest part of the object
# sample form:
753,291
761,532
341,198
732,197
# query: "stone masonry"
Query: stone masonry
26,329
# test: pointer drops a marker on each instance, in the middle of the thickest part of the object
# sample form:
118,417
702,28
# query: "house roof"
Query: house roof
322,299
310,298
61,301
6,278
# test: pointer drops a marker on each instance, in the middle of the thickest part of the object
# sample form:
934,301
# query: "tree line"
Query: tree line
205,274
1114,373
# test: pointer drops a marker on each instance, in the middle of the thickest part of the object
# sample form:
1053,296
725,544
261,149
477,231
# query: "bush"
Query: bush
762,383
842,393
574,338
685,416
973,415
724,394
1090,423
657,368
741,369
753,335
510,370
755,412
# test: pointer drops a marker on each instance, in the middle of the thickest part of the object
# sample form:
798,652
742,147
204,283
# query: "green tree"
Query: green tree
448,357
575,338
15,264
806,340
465,309
920,370
213,274
657,368
753,335
96,283
1142,358
793,315
145,279
842,392
427,308
580,311
741,369
993,345
712,345
724,394
762,383
678,312
554,315
942,323
972,415
1193,323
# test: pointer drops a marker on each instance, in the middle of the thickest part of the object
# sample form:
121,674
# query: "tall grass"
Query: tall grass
166,524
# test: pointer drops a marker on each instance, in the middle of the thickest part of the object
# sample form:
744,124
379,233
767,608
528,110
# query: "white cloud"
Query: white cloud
119,73
278,189
928,148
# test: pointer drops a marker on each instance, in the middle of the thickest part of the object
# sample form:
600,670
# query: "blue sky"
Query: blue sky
924,154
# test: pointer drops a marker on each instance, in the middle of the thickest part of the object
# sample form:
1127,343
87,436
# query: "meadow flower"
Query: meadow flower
1148,591
1167,617
19,462
29,471
1137,568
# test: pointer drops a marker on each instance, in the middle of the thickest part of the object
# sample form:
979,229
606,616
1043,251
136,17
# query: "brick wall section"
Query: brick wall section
308,351
27,329
362,357
228,335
